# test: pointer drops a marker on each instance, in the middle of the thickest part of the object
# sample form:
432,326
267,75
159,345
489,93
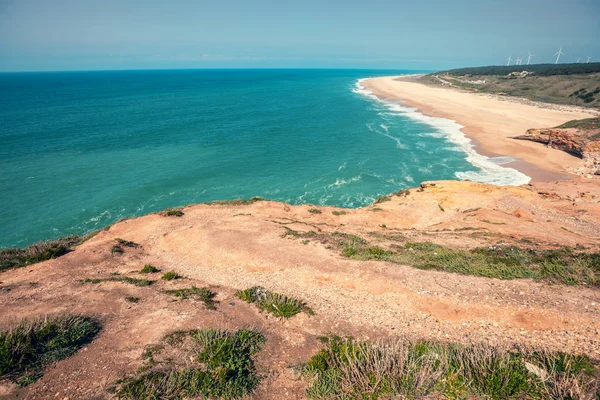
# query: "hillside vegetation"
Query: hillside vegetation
570,84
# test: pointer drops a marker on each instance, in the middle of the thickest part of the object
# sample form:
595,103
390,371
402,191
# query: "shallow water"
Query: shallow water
80,150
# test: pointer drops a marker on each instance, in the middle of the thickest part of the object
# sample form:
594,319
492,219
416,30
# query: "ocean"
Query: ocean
80,150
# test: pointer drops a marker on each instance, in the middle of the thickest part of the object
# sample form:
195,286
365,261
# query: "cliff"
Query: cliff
447,261
581,143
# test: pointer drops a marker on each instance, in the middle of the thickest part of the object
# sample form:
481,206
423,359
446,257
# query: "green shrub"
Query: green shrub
382,199
274,303
349,369
169,276
124,279
31,346
314,211
116,249
172,212
149,269
222,368
126,243
132,299
202,294
38,252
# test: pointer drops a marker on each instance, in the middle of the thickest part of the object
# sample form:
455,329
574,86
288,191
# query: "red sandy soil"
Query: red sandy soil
228,248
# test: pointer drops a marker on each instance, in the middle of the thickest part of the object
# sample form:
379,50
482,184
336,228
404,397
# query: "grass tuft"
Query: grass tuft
126,243
171,275
132,299
202,294
382,199
124,279
172,212
27,349
221,366
149,269
116,249
561,266
274,303
38,252
314,211
339,213
349,369
235,202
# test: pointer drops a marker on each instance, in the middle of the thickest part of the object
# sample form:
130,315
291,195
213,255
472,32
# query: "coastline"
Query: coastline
488,121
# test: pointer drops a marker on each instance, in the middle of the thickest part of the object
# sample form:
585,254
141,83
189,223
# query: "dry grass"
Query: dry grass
38,252
347,369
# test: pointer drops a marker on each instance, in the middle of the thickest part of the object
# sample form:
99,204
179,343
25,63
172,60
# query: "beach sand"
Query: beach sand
489,121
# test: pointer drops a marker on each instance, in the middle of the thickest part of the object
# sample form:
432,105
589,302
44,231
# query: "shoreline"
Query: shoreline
488,122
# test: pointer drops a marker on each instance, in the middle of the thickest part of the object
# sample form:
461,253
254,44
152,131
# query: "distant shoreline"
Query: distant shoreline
489,122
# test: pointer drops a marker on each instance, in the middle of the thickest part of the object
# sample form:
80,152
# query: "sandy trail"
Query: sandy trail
489,121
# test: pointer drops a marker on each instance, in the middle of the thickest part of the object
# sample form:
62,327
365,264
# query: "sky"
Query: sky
57,35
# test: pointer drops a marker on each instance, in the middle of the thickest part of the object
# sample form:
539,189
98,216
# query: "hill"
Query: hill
568,84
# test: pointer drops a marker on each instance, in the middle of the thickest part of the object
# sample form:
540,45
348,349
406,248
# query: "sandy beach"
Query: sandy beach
489,121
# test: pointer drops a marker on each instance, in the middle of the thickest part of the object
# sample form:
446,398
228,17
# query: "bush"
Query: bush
31,346
222,367
202,294
149,269
274,303
349,369
38,252
169,276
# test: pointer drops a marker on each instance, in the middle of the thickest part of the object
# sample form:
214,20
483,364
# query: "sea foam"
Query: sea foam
490,170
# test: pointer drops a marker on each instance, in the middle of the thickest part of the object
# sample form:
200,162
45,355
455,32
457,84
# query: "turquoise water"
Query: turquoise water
80,150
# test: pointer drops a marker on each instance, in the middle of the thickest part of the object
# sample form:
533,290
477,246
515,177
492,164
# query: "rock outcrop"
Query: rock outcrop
572,141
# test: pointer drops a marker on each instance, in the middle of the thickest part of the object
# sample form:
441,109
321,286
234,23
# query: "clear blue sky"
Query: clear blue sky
416,34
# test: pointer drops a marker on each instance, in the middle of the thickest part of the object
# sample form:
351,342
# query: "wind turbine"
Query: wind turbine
579,59
588,60
519,61
509,60
558,54
529,57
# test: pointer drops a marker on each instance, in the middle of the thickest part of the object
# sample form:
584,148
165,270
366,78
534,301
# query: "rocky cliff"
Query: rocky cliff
582,144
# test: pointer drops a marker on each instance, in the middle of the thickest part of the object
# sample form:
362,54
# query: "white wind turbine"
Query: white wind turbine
579,59
529,57
588,60
519,61
509,59
558,54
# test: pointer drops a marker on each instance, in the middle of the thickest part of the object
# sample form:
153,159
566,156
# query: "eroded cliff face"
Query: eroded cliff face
577,142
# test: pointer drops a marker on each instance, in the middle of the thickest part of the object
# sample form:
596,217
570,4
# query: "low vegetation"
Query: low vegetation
149,269
587,124
235,202
27,349
126,243
562,266
172,212
314,211
349,369
116,249
124,279
201,294
537,69
38,252
274,303
171,275
573,84
336,213
206,363
132,299
382,199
